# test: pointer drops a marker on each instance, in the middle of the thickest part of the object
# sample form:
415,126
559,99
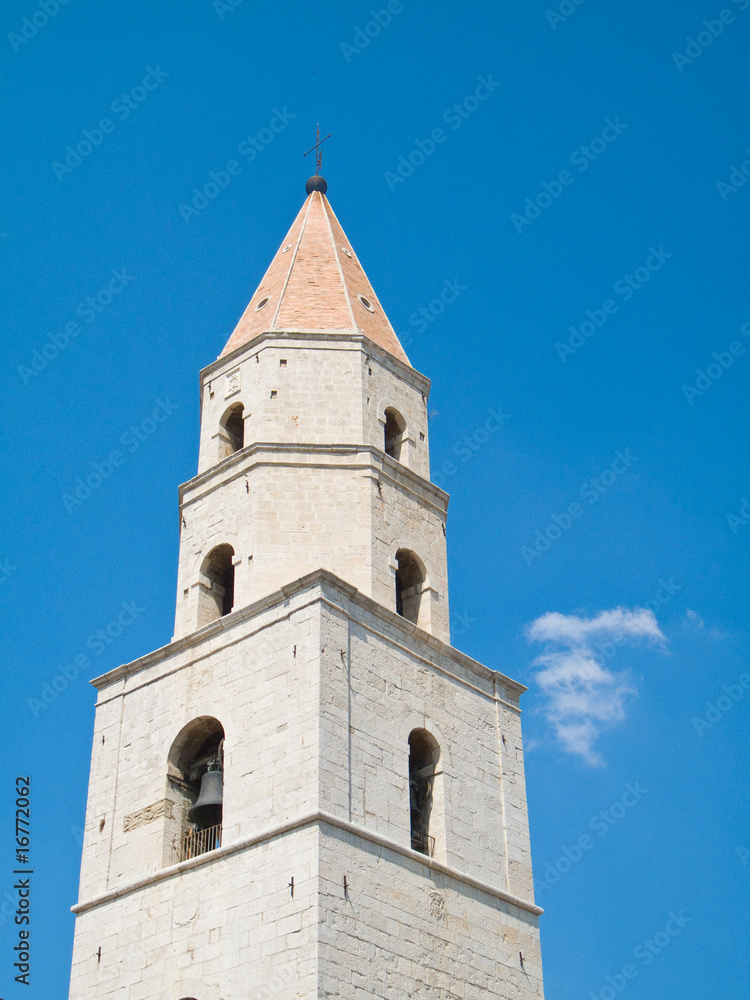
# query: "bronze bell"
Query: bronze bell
207,809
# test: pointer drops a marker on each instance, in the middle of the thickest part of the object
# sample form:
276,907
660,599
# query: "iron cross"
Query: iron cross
318,153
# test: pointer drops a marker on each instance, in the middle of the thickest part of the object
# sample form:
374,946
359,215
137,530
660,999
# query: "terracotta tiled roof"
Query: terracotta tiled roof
316,283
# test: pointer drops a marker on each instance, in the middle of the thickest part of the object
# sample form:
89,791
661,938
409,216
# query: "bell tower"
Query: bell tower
309,792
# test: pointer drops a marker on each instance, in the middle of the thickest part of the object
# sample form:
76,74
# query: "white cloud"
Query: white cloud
639,623
582,695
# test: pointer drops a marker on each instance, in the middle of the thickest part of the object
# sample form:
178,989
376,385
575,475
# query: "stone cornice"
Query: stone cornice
310,819
279,599
378,461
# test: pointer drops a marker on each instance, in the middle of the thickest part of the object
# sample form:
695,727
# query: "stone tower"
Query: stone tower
360,827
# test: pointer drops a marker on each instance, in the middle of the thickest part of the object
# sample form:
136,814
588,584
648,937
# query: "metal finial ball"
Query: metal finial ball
316,183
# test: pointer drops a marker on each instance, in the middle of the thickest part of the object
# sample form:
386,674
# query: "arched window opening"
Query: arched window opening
232,435
424,753
395,427
196,775
409,584
216,585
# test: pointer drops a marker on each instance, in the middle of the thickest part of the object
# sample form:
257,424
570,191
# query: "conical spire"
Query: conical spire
316,284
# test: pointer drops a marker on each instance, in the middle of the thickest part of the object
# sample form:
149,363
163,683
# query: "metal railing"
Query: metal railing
196,842
423,843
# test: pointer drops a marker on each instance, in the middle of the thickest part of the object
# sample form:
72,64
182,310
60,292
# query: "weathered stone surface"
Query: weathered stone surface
148,815
317,689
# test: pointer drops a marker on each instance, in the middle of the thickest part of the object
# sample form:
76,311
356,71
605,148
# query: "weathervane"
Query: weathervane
318,154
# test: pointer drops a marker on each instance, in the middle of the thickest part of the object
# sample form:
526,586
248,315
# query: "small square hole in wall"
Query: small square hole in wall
421,436
273,394
185,592
282,363
369,371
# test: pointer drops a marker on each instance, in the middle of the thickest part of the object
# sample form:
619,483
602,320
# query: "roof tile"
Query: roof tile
316,283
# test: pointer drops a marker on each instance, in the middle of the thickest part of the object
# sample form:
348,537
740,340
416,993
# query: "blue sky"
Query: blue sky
588,170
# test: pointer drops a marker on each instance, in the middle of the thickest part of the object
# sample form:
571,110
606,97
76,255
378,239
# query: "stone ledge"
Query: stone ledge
318,817
281,454
280,598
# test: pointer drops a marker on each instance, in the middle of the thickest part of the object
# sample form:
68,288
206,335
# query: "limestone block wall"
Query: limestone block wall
287,511
226,930
303,388
516,813
444,939
231,929
317,696
317,687
408,514
259,678
378,683
284,516
291,392
388,383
